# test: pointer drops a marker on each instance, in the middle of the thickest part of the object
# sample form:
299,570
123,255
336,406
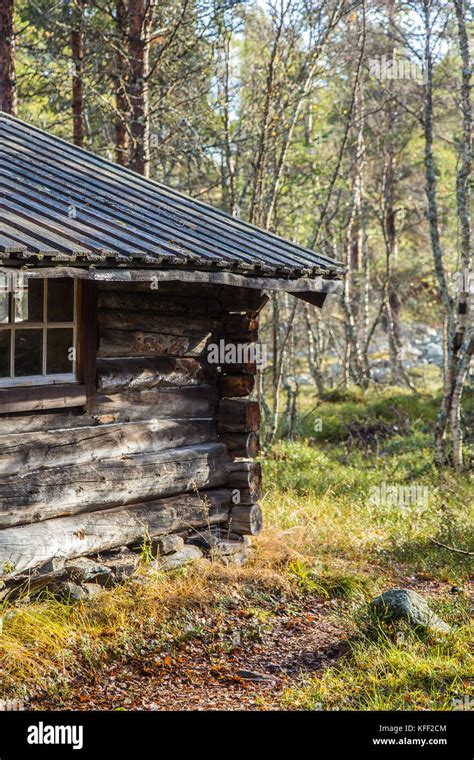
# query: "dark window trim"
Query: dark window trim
82,391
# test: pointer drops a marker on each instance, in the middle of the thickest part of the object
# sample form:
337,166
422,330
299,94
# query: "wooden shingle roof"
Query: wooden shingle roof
59,203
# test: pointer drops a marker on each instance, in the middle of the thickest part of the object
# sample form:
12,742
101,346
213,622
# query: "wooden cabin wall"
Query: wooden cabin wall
165,423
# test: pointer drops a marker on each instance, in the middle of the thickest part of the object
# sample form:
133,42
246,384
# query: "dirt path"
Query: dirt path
235,658
198,675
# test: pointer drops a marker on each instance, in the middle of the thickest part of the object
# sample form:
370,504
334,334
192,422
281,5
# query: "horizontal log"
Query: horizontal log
238,416
59,448
29,546
29,422
59,491
127,343
157,403
158,302
247,476
229,297
161,324
128,406
41,397
116,375
236,386
162,287
245,445
246,521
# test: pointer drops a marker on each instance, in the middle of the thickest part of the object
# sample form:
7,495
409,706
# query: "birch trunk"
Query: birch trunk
462,349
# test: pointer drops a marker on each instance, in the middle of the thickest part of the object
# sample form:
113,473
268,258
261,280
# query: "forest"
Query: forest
346,127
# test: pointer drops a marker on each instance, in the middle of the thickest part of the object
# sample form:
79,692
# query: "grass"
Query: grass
325,536
325,487
393,667
386,674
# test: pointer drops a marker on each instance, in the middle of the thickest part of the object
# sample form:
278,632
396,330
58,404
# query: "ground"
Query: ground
291,630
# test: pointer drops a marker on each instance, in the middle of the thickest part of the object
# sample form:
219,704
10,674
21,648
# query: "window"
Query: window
38,327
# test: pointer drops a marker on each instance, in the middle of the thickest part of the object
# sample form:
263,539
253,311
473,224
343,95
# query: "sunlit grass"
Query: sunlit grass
393,669
324,536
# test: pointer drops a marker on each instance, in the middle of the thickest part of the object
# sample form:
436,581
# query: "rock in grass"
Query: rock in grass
85,570
167,544
75,592
178,559
404,604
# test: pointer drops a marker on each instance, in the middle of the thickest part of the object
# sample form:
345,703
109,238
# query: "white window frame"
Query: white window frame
12,327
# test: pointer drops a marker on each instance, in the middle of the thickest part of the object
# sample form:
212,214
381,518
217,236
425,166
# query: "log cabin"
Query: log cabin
128,351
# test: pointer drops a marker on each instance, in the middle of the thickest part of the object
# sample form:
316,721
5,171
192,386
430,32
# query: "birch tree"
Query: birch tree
457,306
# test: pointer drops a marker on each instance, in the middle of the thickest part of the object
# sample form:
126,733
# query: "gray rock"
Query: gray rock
84,570
204,539
218,545
92,589
167,544
404,604
178,559
52,566
75,592
123,567
70,592
121,562
238,558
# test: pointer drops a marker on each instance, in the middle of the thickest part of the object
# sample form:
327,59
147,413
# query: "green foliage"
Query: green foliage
327,483
387,673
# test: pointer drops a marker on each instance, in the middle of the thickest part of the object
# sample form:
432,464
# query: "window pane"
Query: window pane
28,353
4,298
29,302
60,343
4,353
61,300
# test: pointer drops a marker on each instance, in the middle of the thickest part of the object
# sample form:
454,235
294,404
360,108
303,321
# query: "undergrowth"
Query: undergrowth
325,536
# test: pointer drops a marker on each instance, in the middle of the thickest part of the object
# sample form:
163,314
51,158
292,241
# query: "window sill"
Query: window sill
38,380
39,397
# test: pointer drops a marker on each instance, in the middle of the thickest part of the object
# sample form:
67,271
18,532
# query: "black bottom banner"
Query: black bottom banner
124,735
